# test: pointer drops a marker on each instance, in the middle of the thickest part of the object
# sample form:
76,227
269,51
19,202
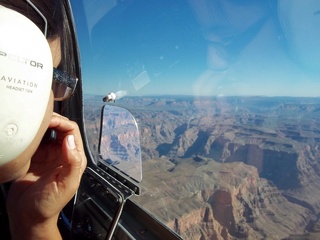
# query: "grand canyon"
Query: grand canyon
226,167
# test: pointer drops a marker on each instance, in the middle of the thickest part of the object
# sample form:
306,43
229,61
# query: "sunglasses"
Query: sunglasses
63,85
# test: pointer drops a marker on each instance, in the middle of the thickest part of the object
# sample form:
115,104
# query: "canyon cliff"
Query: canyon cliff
229,168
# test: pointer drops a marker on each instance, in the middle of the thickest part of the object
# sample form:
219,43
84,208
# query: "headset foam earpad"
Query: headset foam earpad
25,82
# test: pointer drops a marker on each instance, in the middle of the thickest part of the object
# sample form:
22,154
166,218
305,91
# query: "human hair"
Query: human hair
55,11
52,11
68,45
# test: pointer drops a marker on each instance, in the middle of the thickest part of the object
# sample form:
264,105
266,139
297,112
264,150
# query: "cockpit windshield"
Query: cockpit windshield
226,97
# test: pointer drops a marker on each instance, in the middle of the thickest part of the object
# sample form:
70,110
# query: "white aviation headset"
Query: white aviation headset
25,82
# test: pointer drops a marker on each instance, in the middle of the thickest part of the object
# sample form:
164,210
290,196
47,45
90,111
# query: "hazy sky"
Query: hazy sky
200,47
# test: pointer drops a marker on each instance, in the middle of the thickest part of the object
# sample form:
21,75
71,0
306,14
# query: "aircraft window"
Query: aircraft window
226,97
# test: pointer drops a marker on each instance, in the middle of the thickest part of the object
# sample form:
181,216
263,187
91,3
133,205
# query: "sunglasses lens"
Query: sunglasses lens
60,91
63,85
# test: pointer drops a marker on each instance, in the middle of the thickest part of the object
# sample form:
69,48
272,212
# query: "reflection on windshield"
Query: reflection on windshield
226,96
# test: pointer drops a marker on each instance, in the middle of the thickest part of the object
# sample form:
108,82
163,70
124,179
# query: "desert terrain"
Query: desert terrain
226,167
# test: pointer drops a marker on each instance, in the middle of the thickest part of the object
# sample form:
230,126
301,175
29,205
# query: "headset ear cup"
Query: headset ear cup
25,82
